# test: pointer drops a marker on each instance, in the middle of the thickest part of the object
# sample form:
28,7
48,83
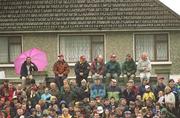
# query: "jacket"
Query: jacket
61,67
113,67
129,66
97,91
82,67
97,67
144,64
24,70
148,95
114,91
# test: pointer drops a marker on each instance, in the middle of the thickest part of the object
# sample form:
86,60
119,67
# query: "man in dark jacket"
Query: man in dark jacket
128,93
113,90
129,67
61,71
113,69
81,70
26,70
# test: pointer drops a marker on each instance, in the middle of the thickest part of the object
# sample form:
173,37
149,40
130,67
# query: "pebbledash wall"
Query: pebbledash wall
118,42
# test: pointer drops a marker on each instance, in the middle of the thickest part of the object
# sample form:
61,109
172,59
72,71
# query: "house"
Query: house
90,27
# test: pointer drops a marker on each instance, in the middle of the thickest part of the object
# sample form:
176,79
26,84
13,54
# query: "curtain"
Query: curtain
3,50
15,50
145,43
74,46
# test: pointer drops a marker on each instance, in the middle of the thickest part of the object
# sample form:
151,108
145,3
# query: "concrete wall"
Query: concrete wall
119,43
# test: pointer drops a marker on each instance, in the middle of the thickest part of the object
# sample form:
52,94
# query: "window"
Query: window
73,46
10,48
156,45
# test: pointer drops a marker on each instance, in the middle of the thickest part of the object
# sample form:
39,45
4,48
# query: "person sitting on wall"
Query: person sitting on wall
129,67
81,70
26,70
113,69
61,71
98,67
144,67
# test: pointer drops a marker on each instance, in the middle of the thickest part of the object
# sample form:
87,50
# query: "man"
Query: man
144,67
148,94
97,90
26,70
113,90
128,93
129,67
160,86
112,68
98,67
61,71
81,70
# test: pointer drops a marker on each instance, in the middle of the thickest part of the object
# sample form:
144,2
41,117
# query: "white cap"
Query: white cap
147,86
100,109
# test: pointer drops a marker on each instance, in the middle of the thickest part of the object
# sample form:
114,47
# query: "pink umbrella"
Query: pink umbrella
38,57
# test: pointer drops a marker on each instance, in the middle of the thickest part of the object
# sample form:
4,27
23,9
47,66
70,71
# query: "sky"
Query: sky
172,4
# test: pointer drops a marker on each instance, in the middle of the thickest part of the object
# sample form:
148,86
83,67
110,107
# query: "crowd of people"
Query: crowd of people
100,96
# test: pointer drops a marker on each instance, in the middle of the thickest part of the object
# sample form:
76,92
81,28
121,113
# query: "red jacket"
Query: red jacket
61,67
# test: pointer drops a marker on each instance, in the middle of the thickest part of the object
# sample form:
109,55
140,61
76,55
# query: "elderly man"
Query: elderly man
98,67
144,67
61,71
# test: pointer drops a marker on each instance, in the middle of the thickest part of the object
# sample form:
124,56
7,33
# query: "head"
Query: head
129,86
148,88
53,85
83,82
97,81
46,90
100,58
67,88
61,57
144,56
38,107
128,57
160,80
171,83
28,60
160,93
20,111
127,114
113,82
65,111
82,58
113,57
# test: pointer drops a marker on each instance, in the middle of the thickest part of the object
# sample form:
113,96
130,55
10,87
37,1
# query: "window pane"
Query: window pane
145,43
162,47
97,49
162,51
3,49
15,50
74,46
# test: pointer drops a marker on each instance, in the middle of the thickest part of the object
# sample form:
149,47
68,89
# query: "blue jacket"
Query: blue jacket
97,91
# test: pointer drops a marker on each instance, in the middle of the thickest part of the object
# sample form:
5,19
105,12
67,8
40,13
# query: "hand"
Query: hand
32,65
81,73
60,75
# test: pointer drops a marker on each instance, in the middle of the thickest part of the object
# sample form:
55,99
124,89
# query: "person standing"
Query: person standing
26,70
81,70
61,71
144,67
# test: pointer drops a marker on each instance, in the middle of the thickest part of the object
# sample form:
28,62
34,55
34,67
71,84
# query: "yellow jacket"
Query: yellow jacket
148,95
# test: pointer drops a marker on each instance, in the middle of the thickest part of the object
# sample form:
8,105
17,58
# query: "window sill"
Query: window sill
6,65
160,63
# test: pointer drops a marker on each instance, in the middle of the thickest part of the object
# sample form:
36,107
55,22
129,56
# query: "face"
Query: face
129,57
144,56
61,58
28,60
97,81
113,58
171,84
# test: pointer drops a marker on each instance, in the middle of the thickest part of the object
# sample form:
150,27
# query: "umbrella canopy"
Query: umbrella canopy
38,57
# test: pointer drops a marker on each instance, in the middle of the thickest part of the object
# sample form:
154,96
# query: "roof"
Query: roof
67,15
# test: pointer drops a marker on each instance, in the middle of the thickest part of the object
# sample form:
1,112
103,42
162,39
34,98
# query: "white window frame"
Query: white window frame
169,62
